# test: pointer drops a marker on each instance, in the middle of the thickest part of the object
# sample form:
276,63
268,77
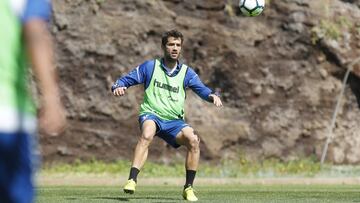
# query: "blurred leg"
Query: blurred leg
15,168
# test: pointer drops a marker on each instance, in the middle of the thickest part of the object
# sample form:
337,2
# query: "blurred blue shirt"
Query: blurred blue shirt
27,10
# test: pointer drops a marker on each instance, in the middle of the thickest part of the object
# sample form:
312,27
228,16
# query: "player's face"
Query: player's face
172,48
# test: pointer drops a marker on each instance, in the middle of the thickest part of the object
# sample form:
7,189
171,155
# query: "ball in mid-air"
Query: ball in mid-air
251,7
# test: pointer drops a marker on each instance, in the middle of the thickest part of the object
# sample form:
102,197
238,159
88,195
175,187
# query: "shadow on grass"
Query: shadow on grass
126,199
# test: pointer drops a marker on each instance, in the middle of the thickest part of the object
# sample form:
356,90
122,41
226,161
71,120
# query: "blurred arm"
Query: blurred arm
40,52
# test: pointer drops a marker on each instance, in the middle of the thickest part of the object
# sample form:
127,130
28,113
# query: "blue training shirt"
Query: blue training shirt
27,10
142,75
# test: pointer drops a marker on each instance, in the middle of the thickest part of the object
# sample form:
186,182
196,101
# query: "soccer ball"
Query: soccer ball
251,7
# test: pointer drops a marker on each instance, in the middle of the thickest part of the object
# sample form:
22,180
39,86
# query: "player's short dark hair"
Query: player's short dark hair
171,33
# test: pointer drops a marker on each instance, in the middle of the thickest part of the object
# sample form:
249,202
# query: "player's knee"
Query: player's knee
194,143
146,137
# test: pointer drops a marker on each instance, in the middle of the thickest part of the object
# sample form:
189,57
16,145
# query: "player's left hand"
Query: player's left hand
216,100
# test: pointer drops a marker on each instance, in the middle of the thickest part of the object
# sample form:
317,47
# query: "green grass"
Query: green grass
233,193
271,168
225,169
330,29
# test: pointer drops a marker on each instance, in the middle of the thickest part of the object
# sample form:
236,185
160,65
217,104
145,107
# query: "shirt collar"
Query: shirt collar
178,66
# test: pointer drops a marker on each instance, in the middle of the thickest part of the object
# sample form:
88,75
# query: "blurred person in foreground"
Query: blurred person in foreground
162,111
23,36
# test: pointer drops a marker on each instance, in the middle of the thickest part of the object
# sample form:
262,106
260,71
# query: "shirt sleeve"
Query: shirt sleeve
36,9
134,77
193,81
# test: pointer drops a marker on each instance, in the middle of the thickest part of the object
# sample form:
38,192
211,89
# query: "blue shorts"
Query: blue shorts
16,168
166,130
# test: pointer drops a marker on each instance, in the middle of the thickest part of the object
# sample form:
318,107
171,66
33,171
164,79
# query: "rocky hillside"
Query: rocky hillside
279,75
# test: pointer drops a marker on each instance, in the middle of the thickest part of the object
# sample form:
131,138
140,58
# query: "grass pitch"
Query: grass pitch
214,193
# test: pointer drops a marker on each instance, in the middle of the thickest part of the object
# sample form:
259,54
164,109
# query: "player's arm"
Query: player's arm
40,51
193,81
134,77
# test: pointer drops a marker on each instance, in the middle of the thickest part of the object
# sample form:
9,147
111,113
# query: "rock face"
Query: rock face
279,75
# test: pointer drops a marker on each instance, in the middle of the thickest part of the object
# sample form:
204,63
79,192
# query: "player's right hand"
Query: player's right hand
120,91
52,118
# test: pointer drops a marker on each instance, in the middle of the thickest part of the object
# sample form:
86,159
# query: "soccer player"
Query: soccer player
23,34
162,111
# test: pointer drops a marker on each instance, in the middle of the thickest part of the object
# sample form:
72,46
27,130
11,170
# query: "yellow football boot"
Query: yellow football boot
189,194
130,186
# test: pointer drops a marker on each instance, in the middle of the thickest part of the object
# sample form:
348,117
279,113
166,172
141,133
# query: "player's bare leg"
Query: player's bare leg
148,131
191,141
